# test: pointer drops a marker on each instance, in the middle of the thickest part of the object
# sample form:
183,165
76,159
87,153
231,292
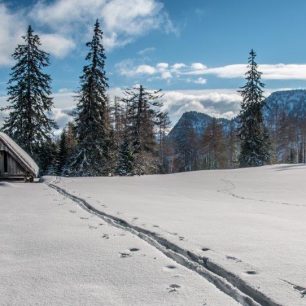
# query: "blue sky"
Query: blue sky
194,50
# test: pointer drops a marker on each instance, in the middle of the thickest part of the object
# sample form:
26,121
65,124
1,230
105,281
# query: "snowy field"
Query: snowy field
249,222
242,230
54,253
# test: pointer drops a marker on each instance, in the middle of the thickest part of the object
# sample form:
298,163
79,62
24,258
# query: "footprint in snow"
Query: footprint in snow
92,227
169,267
251,272
105,236
233,258
134,250
205,249
72,211
125,255
173,288
155,226
181,238
83,218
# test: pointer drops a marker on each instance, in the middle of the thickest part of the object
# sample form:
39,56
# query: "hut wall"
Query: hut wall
1,163
13,167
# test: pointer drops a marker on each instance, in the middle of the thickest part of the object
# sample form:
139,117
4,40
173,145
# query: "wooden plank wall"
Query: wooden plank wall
14,168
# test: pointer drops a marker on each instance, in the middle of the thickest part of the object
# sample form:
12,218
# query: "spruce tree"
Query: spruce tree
29,97
253,134
143,111
63,152
125,161
186,146
163,124
93,131
214,147
48,158
70,138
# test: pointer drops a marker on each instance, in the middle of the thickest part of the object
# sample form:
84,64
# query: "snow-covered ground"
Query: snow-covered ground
249,223
52,252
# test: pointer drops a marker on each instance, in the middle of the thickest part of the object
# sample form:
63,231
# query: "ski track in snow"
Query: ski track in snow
230,191
224,280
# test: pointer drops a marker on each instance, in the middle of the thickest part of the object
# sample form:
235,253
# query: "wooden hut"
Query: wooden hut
15,163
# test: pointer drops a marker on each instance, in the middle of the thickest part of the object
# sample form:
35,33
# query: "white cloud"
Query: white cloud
14,25
163,70
64,14
198,67
178,66
162,66
284,72
185,72
269,71
126,20
200,81
56,44
166,75
62,116
128,69
122,20
65,22
144,69
218,103
145,51
11,29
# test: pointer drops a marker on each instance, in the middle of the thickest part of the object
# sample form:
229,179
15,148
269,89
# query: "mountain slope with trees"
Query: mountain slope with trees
284,115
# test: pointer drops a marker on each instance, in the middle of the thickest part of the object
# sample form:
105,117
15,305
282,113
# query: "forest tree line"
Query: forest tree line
127,136
121,137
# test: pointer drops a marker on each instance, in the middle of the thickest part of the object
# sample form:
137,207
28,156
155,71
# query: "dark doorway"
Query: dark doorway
5,162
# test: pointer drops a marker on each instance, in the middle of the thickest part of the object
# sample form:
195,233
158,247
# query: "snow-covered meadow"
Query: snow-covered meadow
54,253
243,230
250,221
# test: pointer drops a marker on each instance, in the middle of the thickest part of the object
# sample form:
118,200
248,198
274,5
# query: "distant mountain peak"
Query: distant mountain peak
197,120
290,102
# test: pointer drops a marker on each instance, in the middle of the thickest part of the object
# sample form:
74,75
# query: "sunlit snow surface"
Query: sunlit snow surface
52,252
252,221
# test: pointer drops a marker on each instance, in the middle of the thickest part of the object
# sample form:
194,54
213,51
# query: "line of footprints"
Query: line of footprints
173,288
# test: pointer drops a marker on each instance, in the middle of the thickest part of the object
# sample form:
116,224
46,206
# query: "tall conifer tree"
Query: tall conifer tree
62,154
93,129
139,149
29,97
253,134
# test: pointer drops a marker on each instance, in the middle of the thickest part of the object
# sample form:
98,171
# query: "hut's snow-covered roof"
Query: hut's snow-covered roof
22,155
